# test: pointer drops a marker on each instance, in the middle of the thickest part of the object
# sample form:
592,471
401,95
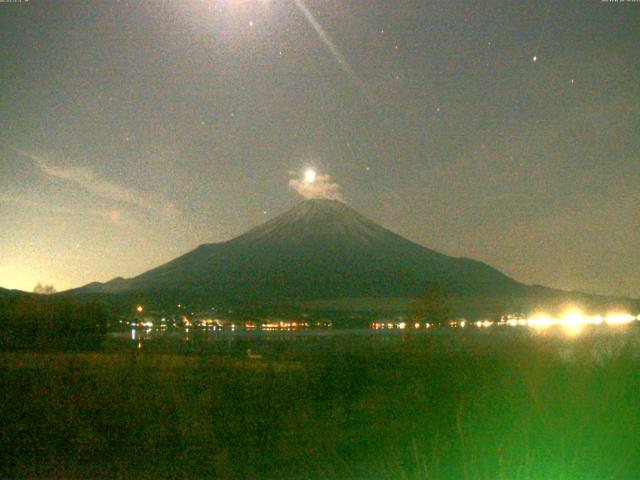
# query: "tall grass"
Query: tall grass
517,408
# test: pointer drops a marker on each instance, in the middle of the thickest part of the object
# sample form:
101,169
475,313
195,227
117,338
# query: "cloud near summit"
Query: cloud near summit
321,187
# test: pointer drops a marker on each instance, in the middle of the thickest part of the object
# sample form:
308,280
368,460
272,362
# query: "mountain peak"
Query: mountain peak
318,249
315,219
323,203
322,208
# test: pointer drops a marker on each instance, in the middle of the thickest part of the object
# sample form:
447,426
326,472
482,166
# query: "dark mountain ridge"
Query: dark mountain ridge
4,292
319,250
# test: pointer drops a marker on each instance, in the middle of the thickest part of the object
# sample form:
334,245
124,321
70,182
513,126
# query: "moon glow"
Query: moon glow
310,176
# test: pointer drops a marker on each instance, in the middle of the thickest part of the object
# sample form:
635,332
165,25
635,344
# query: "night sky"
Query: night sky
131,132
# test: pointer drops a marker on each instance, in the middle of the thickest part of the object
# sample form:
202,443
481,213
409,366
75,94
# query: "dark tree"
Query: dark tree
44,289
51,324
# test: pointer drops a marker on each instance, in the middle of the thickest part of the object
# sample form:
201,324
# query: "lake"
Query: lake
262,344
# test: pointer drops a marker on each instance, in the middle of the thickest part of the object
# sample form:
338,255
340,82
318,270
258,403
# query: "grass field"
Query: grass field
529,408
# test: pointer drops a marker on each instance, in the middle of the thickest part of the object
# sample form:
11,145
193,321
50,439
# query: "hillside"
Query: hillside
318,251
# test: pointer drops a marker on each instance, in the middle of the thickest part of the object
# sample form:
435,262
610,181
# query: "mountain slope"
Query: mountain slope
319,249
11,293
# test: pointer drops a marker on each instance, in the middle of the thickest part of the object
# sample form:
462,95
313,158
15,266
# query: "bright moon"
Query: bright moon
310,176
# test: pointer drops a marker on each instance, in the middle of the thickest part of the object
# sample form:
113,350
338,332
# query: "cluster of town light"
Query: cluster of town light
572,320
219,324
399,325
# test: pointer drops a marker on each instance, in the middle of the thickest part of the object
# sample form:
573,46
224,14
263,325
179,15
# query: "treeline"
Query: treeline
51,323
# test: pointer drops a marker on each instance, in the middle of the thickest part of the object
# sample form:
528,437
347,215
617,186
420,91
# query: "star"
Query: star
535,58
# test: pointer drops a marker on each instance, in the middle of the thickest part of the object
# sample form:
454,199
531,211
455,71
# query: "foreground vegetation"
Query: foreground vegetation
517,408
48,323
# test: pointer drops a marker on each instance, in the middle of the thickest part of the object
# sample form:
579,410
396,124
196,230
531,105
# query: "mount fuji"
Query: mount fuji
319,250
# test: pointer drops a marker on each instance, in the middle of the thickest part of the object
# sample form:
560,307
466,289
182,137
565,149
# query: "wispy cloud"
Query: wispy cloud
89,181
114,216
320,187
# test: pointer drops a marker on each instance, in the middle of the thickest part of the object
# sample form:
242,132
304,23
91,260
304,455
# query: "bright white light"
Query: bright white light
619,318
483,323
572,321
540,321
310,176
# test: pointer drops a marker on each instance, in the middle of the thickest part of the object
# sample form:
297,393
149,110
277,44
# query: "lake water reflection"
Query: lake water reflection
296,343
